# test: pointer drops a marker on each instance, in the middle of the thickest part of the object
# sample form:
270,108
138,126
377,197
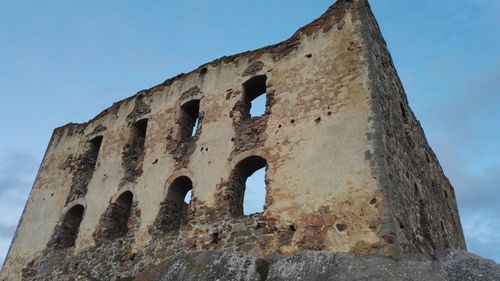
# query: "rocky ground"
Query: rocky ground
210,266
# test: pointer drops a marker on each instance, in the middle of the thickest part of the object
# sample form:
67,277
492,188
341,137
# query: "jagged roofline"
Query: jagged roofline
326,21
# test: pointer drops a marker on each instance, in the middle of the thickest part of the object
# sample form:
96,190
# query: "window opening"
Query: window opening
188,197
190,118
258,106
138,134
118,216
67,231
173,210
255,192
255,96
89,158
248,193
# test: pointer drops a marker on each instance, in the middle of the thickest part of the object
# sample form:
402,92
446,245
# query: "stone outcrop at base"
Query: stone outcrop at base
316,266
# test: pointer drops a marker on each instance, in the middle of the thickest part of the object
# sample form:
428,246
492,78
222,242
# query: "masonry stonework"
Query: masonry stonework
348,168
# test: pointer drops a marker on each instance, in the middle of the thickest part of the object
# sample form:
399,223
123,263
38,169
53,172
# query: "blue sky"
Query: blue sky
65,61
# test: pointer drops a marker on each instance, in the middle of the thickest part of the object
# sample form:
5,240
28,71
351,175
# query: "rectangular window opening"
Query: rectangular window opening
255,95
92,151
138,137
138,133
133,153
190,118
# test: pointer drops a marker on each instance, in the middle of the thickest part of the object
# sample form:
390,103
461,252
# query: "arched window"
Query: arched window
241,188
173,210
67,230
115,220
255,96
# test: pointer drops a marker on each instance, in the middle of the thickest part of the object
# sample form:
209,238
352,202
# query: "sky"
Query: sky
65,61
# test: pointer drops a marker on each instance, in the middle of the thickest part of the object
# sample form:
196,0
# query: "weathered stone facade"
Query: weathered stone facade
348,168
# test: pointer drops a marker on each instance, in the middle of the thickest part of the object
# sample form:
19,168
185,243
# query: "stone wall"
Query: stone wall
422,199
347,165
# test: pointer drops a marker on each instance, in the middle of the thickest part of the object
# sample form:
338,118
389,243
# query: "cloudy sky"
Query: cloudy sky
65,61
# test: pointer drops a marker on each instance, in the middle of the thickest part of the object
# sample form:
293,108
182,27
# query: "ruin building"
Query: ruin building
348,167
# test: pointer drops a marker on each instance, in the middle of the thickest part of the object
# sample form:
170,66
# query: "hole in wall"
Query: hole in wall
195,127
95,145
139,129
188,197
246,192
92,152
215,238
255,96
258,106
190,118
341,227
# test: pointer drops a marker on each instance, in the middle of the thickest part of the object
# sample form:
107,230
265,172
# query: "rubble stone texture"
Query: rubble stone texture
352,187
